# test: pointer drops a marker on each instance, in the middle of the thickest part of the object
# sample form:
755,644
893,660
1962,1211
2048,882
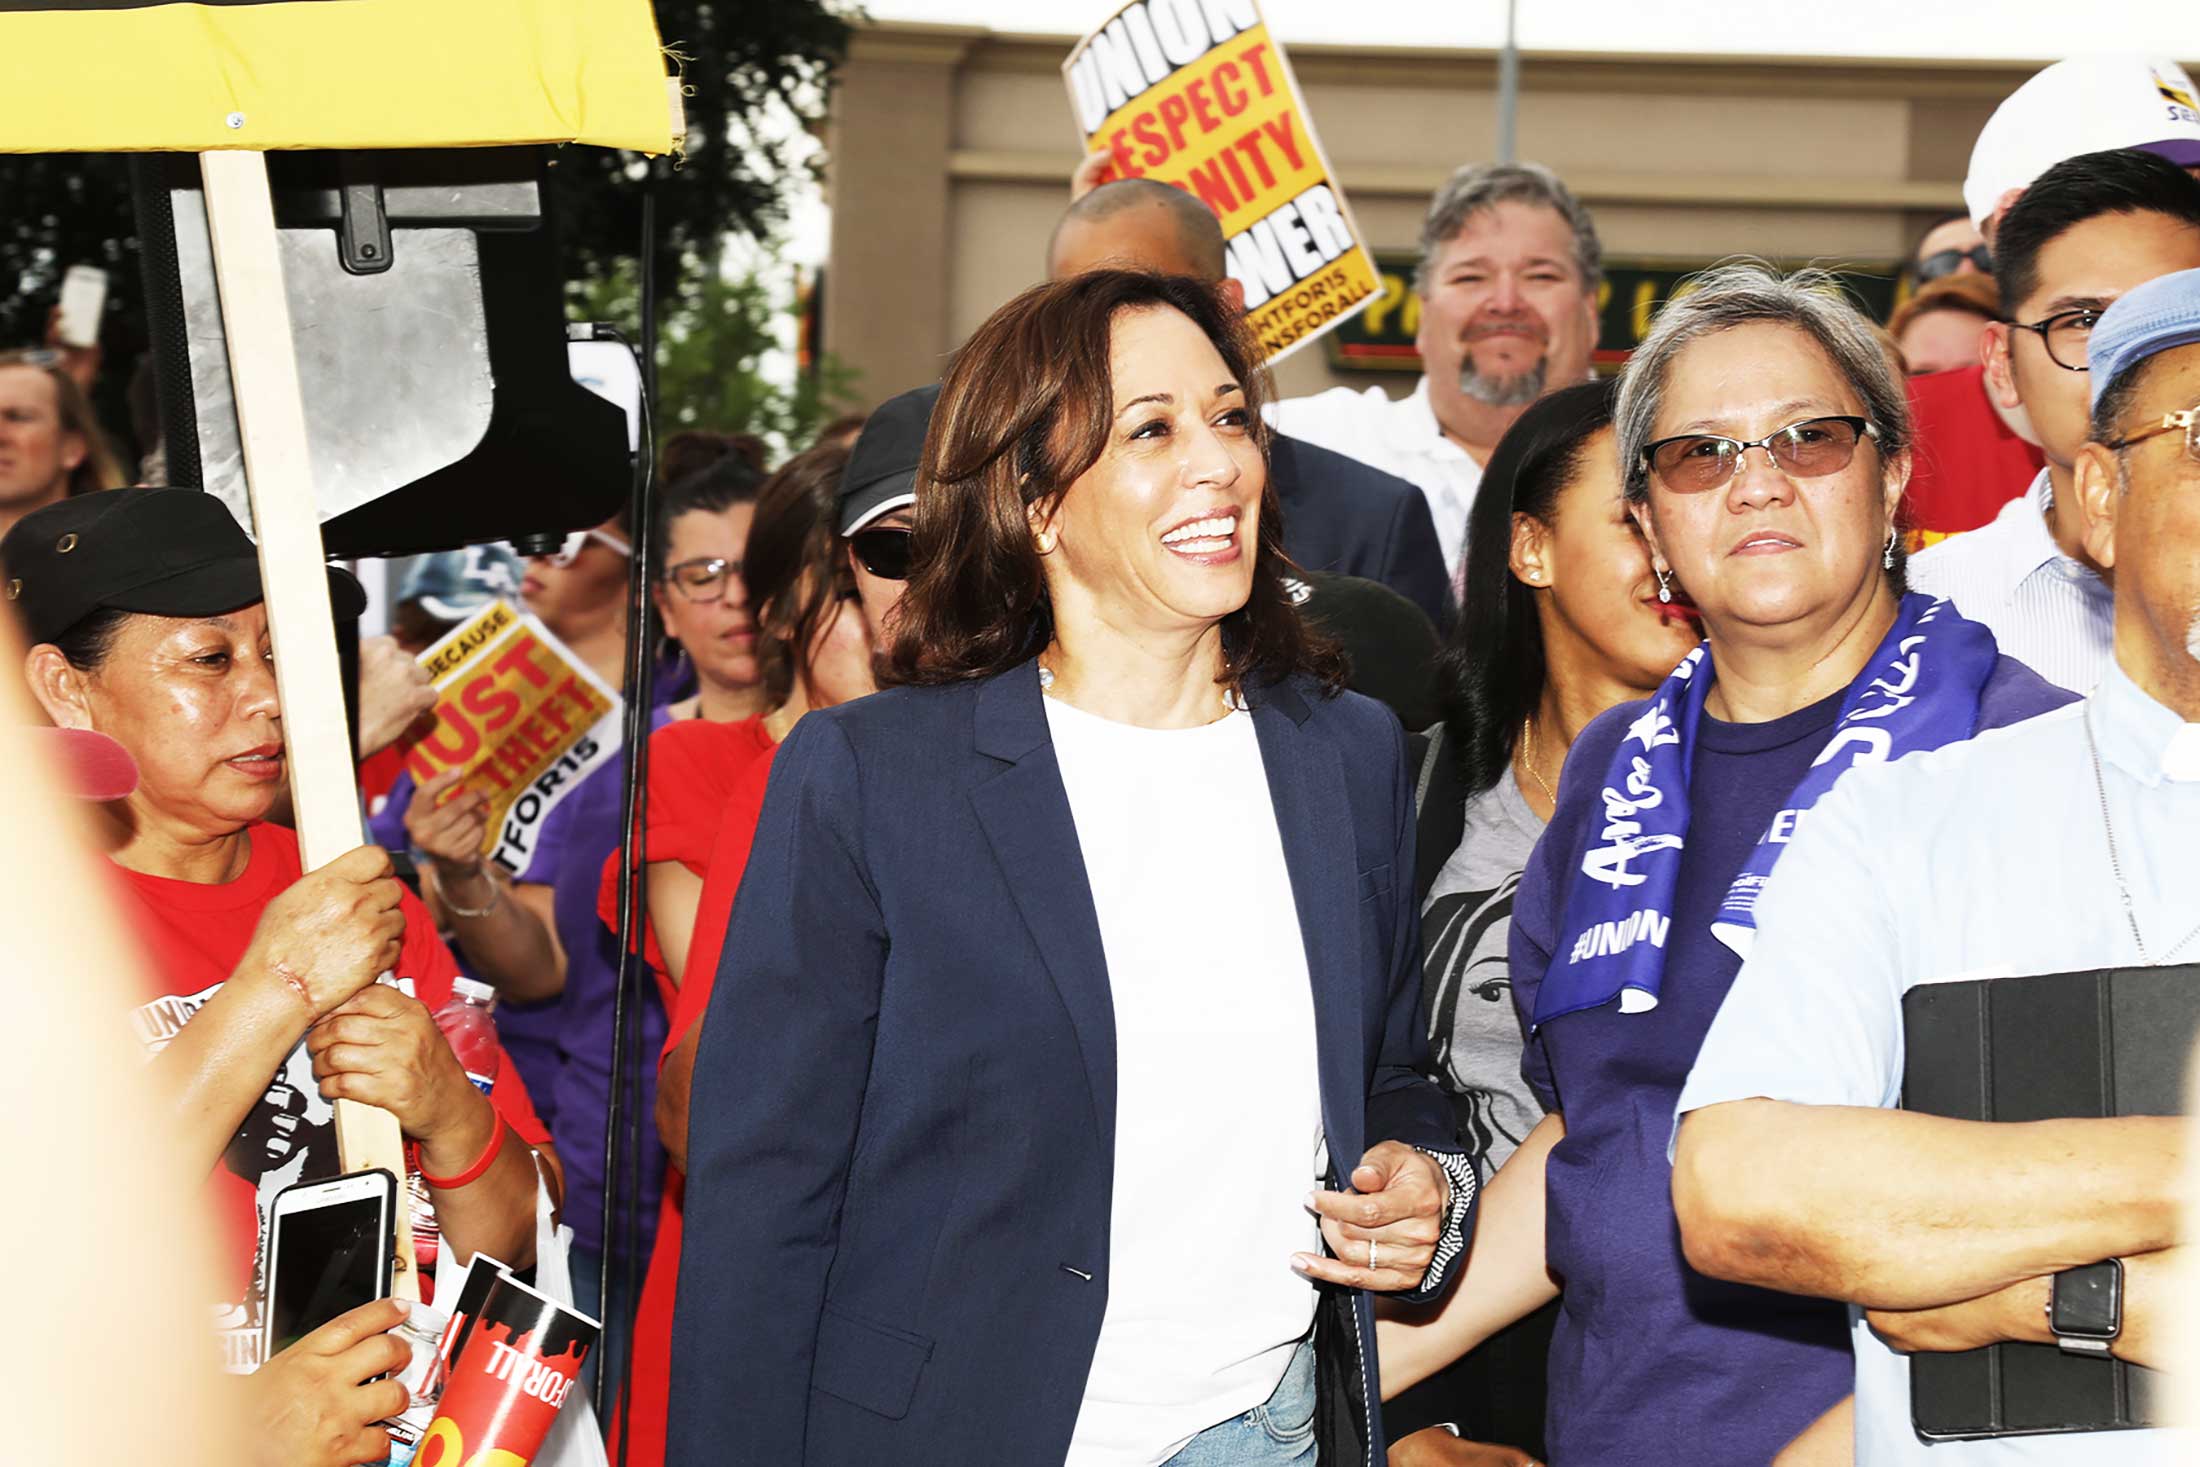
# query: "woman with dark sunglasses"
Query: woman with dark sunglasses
1765,441
813,650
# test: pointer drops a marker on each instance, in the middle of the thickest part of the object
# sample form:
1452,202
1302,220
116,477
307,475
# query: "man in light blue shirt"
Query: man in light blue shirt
2063,844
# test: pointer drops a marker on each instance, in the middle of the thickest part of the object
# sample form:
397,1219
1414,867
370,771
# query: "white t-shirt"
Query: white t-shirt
1218,1098
1981,859
1401,438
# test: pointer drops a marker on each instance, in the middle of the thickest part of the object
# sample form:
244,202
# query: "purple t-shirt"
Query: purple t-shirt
1652,1361
577,839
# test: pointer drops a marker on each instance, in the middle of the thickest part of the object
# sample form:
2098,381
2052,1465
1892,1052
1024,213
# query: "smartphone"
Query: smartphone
330,1249
83,299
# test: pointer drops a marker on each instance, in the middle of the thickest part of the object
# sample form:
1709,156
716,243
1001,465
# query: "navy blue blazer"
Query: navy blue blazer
1342,515
902,1131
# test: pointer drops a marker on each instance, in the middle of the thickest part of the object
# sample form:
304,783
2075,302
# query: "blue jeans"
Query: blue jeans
1279,1432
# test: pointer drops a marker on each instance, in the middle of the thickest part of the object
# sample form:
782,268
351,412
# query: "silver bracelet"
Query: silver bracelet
496,894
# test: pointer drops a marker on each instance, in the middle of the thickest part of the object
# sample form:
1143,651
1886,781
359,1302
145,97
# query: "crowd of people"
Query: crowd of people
1233,972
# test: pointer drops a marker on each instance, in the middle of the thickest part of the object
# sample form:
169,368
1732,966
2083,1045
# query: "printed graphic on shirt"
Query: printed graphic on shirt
1474,1035
288,1136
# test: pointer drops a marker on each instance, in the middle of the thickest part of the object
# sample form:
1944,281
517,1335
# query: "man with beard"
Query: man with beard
1510,265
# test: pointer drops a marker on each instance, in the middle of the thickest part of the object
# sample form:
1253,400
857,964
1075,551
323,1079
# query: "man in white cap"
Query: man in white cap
2061,845
1972,453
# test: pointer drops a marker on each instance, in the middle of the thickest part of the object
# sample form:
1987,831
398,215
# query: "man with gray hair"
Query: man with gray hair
1507,294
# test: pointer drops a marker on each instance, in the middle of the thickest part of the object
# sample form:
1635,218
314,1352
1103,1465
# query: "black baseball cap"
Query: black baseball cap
881,476
1387,639
168,552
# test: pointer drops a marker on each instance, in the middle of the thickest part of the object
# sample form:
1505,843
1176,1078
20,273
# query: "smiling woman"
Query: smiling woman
1077,965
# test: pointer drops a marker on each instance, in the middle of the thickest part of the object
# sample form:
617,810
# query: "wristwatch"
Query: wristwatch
2085,1308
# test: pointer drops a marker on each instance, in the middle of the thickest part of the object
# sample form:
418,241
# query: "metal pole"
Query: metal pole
1508,90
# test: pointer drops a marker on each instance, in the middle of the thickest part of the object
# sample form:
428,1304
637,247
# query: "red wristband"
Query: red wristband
472,1173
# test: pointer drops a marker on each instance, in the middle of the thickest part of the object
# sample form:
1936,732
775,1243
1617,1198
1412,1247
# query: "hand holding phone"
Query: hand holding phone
316,1403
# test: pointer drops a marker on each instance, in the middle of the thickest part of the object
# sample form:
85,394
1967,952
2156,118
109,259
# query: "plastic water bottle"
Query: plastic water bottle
467,1023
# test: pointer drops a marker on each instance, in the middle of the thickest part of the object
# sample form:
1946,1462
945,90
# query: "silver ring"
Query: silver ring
1371,1255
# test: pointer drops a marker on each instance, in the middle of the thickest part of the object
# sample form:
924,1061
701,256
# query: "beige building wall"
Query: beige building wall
950,151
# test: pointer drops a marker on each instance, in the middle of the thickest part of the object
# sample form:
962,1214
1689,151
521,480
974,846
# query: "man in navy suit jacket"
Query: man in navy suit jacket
1339,514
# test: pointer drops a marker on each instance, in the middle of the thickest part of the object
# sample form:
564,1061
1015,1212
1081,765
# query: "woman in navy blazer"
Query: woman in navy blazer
1059,1099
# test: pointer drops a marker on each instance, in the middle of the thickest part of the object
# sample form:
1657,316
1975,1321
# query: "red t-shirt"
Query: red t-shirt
195,935
642,1410
1967,464
692,766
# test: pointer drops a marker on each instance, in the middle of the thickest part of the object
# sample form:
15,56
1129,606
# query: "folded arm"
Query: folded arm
1892,1209
2019,1312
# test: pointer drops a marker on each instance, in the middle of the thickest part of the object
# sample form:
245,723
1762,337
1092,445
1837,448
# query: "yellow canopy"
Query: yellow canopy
154,76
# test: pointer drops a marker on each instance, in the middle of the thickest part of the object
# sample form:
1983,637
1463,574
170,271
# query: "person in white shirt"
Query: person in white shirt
2058,845
1072,1097
1510,264
2088,230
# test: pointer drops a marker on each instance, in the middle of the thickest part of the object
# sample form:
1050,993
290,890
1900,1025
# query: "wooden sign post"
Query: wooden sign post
271,427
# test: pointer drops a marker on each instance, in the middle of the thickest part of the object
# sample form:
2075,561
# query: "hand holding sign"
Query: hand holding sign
1196,93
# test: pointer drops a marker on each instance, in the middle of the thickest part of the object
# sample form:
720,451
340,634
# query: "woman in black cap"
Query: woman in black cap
143,607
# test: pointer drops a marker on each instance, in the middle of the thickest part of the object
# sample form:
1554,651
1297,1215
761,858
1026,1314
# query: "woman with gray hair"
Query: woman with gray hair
1765,440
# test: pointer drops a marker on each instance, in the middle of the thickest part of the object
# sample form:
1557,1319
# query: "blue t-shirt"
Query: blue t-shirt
1651,1361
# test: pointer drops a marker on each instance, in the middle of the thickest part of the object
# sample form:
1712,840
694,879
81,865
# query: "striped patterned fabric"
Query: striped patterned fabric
2046,610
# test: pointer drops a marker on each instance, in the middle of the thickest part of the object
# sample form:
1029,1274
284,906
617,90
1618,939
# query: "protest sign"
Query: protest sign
1197,94
523,716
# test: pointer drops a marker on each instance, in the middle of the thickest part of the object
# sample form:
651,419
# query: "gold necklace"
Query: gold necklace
1527,757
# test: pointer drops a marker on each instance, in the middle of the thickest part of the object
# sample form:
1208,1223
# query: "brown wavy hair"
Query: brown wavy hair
793,564
1026,409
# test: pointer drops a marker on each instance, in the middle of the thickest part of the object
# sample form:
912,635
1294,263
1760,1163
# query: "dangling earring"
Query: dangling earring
1665,586
1886,561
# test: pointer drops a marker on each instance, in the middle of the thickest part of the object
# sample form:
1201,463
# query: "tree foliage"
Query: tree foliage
713,360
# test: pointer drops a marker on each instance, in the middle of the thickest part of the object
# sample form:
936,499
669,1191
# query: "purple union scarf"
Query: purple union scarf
1919,690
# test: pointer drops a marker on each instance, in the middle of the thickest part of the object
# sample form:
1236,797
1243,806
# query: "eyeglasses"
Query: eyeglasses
884,552
2064,334
569,550
2189,420
1947,262
1697,462
704,579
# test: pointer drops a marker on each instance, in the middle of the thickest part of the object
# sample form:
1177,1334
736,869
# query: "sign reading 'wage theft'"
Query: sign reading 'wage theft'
1196,94
523,716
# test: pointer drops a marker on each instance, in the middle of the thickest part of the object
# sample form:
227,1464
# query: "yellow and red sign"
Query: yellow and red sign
521,715
153,76
1197,94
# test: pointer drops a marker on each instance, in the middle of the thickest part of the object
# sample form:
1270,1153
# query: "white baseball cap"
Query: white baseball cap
2087,104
